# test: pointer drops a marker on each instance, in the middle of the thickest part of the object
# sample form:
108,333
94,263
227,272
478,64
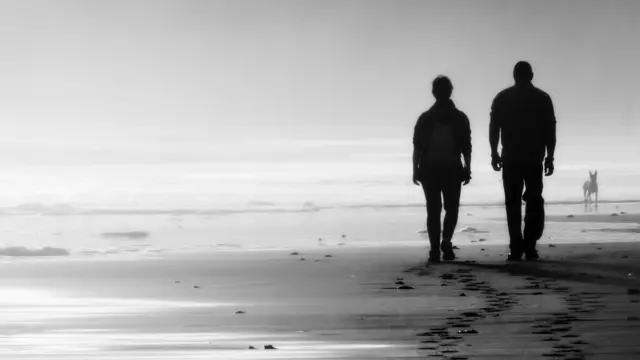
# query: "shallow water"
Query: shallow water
83,235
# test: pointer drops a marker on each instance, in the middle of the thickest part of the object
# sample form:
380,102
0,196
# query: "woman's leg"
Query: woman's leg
451,195
432,192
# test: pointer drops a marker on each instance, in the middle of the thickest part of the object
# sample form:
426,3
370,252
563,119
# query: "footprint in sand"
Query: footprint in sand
550,339
570,336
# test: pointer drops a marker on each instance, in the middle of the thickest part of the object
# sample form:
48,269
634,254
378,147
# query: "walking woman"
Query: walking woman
442,164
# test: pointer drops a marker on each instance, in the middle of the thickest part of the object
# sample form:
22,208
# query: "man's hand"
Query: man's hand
466,177
416,181
496,162
548,167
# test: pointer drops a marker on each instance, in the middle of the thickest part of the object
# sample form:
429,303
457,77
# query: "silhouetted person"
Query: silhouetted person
441,135
523,116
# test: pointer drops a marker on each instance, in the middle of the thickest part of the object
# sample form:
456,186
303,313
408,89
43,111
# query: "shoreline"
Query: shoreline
16,211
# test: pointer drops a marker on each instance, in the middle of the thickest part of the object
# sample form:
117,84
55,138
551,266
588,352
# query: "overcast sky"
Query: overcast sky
152,81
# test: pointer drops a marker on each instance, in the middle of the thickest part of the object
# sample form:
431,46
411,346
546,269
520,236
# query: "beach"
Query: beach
338,294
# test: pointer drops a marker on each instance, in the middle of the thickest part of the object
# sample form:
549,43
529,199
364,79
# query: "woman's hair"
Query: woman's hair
442,88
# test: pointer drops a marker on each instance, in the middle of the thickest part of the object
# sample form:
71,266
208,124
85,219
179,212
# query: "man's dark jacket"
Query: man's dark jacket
524,116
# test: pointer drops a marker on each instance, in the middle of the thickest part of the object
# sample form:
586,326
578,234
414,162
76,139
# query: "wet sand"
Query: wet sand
580,301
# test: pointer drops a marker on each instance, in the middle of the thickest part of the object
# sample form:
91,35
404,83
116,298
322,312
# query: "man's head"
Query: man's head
522,72
442,88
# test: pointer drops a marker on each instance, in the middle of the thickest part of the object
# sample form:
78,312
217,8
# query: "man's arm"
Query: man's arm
550,128
466,143
494,128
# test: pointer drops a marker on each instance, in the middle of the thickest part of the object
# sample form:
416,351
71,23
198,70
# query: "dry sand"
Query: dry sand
580,301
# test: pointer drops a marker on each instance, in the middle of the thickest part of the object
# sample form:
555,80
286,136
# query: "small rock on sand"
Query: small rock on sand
196,287
482,239
269,347
551,245
294,253
328,255
633,291
240,312
633,318
302,259
251,348
405,287
570,216
463,294
614,214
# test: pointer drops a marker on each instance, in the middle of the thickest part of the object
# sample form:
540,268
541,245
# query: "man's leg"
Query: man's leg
534,213
512,182
451,195
432,194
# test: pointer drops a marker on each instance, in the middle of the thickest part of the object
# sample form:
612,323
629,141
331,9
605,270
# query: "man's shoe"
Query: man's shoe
514,256
448,255
531,254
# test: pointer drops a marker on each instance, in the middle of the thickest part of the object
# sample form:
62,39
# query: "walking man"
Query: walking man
522,116
441,136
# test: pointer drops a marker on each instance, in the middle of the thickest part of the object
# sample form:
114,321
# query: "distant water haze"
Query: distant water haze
287,174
